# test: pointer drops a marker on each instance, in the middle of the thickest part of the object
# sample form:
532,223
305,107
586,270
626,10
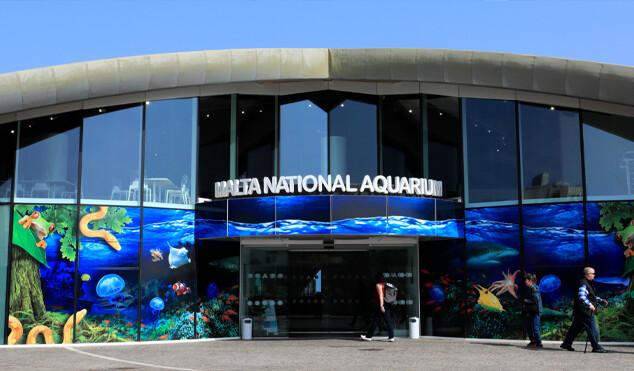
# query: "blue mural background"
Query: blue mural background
346,215
493,265
168,275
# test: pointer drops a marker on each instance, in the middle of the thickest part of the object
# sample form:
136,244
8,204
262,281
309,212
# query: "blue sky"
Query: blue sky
45,33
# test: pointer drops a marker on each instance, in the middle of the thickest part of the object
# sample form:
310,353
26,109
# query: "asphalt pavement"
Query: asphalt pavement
313,354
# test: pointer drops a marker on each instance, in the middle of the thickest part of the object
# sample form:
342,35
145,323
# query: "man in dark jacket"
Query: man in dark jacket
585,306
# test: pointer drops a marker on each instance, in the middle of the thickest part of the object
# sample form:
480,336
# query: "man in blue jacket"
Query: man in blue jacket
585,306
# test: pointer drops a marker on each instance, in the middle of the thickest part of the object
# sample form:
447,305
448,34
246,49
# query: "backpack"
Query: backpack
390,293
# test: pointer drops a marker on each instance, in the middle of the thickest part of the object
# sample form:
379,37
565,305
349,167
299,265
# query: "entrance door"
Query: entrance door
328,292
303,289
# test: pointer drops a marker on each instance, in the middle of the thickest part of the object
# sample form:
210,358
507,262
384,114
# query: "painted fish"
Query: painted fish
85,277
178,257
180,288
157,255
488,300
482,254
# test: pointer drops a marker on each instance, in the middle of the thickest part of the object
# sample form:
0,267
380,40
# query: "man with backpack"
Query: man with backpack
384,296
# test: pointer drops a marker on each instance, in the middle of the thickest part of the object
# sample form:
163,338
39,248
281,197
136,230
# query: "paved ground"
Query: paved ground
313,354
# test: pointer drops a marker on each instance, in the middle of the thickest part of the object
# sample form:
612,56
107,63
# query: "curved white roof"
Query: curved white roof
77,82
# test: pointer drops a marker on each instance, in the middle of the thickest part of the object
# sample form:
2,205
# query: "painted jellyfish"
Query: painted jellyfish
212,290
549,283
157,304
437,293
109,286
547,286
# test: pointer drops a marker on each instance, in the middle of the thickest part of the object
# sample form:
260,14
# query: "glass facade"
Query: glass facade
490,152
303,138
7,154
608,142
551,154
111,161
114,216
47,159
170,152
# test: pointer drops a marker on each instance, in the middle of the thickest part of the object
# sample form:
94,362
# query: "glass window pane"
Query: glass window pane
48,158
609,156
256,136
170,156
213,145
4,256
303,139
111,157
353,139
551,154
8,141
444,150
402,136
491,151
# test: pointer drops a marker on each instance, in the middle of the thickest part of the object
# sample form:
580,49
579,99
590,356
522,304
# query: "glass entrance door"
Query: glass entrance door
328,292
302,289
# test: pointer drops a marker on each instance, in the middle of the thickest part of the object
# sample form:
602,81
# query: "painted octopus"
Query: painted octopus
505,285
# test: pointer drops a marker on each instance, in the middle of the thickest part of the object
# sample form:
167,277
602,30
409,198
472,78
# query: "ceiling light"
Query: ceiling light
440,113
207,115
12,131
552,108
243,112
147,102
341,104
410,111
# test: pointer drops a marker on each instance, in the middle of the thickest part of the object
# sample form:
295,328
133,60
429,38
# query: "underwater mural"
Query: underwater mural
554,251
218,290
442,288
492,254
411,216
289,215
610,243
302,215
109,297
168,276
42,290
109,237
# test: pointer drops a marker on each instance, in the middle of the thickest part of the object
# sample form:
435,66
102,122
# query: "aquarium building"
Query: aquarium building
171,196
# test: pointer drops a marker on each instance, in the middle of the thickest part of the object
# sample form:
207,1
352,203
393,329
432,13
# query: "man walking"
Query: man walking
583,312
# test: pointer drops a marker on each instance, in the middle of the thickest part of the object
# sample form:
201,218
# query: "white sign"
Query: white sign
309,184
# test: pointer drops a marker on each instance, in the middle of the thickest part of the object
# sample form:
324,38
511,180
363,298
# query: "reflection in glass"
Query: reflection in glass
47,159
444,149
402,136
491,151
265,284
170,156
303,133
8,141
353,139
551,154
213,143
256,136
111,158
608,142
